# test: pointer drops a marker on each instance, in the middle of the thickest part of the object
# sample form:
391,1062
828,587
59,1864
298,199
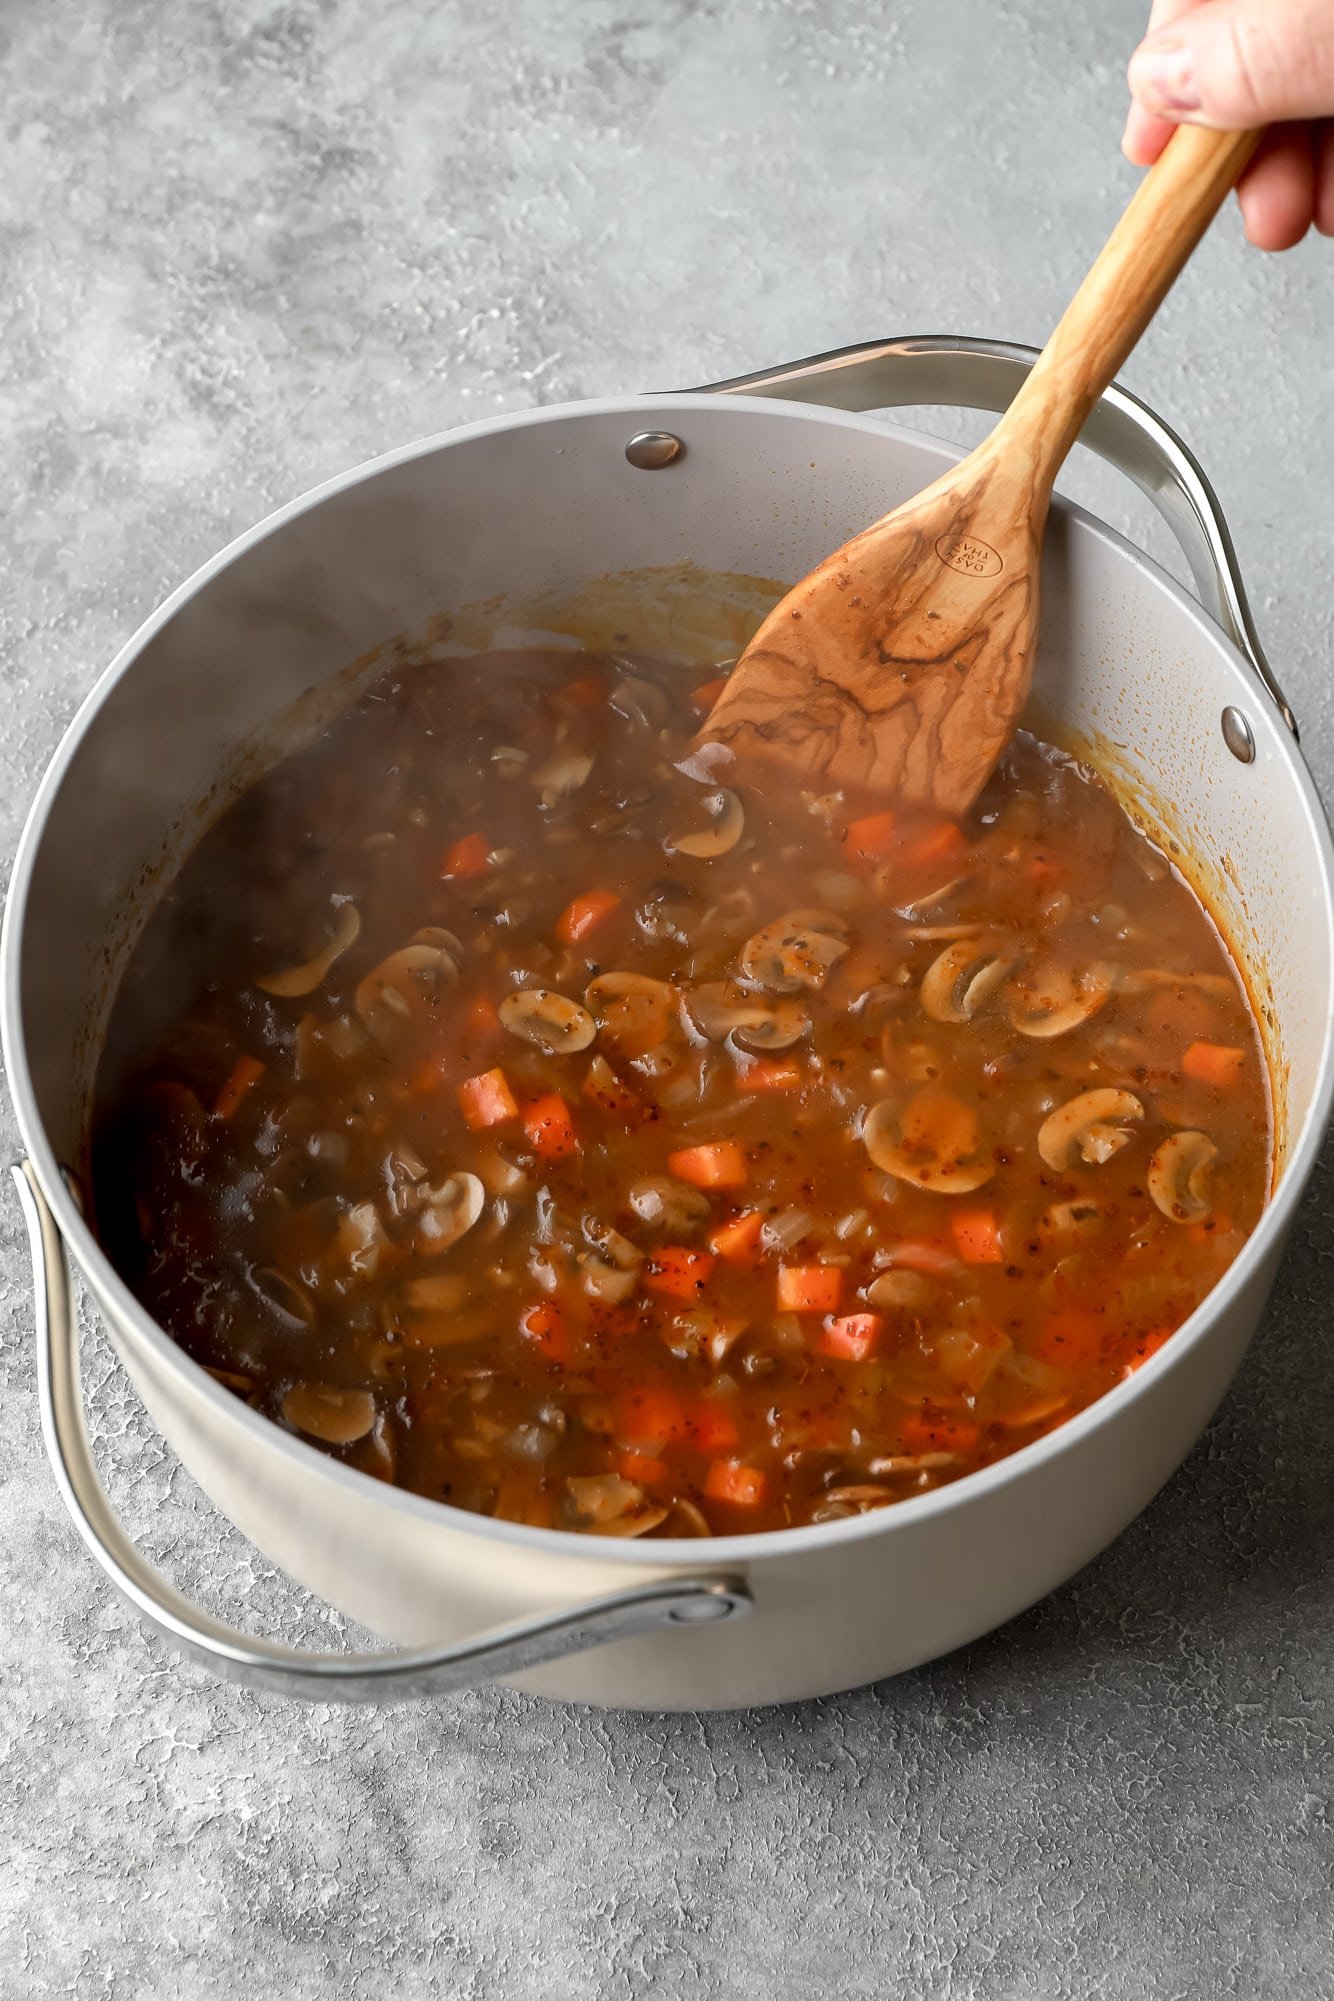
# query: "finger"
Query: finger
1277,191
1234,64
1324,179
1145,136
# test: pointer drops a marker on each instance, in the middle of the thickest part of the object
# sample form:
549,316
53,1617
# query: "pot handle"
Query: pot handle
499,1653
985,375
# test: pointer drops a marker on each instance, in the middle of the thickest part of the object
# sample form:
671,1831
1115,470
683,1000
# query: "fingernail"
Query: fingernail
1160,76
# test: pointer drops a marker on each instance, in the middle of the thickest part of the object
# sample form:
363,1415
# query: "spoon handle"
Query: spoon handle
1165,219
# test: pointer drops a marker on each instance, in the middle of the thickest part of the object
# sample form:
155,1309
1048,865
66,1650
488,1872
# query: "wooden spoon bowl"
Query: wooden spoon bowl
903,663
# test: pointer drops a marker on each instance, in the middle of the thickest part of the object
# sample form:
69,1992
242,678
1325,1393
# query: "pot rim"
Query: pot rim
96,1268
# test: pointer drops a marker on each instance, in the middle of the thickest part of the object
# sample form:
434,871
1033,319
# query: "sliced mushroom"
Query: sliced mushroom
618,1250
605,1282
1053,1001
285,1295
1087,1125
963,979
413,977
640,702
794,951
605,1504
933,1143
449,1211
901,1291
361,1239
557,1026
440,940
840,1502
1065,1221
335,1417
304,979
632,1009
1178,1176
562,774
727,821
720,1009
668,1204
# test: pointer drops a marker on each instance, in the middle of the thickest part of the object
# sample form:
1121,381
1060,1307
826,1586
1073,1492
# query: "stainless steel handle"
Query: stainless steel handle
501,1652
985,375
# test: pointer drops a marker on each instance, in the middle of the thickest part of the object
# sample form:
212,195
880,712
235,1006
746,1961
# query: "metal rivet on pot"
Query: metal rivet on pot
1237,735
651,450
701,1611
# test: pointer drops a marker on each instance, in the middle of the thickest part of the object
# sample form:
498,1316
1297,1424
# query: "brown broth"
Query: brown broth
885,1286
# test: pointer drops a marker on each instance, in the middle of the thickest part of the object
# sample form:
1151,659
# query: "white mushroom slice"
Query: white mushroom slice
900,1291
1052,1002
605,1504
668,1204
794,951
304,979
1178,1176
634,1010
933,1143
335,1417
564,773
922,906
603,1282
449,1211
727,821
412,977
615,1248
1066,1220
441,940
840,1502
557,1026
639,701
963,979
719,1010
1087,1125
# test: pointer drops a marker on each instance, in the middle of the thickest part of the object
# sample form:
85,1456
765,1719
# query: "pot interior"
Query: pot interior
539,523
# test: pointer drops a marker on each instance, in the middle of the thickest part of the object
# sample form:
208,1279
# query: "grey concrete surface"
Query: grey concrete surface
245,245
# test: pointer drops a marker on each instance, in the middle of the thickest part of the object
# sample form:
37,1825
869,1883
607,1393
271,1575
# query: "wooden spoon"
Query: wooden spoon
903,662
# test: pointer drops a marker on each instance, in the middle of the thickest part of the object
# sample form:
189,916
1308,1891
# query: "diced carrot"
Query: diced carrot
582,917
549,1127
977,1237
729,1480
871,839
469,856
481,1019
707,693
739,1238
545,1326
648,1416
589,691
429,1077
681,1273
244,1074
720,1164
1214,1063
852,1338
938,843
934,1430
712,1427
641,1467
487,1100
1146,1345
766,1075
809,1288
1072,1338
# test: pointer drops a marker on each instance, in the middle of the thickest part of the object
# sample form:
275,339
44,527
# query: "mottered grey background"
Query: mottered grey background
246,245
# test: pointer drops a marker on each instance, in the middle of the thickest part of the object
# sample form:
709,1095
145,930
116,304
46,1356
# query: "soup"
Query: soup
509,1100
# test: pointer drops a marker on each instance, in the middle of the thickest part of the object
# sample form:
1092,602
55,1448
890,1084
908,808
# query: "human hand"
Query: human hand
1233,65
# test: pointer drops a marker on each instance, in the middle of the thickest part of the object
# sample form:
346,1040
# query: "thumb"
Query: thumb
1234,64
